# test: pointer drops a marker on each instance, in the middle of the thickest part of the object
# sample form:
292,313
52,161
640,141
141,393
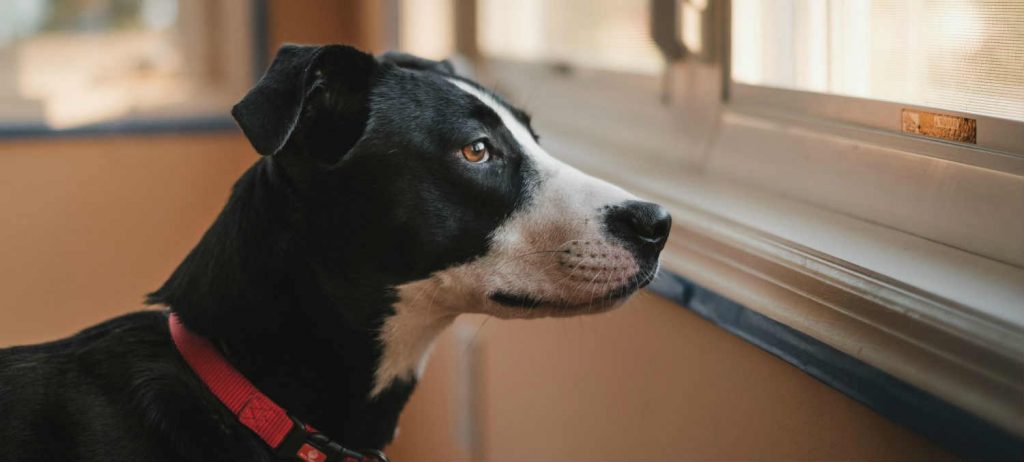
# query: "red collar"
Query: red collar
288,437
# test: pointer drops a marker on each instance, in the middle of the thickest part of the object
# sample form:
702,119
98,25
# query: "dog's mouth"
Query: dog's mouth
610,298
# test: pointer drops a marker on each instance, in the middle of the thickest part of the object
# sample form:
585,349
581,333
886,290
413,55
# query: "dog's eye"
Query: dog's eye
476,152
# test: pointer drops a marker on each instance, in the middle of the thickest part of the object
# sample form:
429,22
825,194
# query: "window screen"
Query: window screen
960,55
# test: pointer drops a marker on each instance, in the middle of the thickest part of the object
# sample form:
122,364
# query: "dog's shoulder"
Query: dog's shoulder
55,396
117,388
40,369
103,351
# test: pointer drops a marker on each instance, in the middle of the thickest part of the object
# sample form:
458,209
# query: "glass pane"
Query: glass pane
67,63
950,54
608,34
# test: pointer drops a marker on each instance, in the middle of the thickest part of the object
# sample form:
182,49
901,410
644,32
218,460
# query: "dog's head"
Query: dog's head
411,176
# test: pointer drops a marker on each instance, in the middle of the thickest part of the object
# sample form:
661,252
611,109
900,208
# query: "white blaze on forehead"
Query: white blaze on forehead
518,130
564,189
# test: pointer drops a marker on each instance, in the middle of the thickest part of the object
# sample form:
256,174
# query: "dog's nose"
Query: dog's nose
642,223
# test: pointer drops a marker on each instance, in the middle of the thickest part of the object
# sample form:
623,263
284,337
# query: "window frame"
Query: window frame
1000,142
258,39
874,123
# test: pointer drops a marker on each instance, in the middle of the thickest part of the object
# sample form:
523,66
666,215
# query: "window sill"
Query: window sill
942,319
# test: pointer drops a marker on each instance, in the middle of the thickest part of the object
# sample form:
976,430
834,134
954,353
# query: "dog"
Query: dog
390,196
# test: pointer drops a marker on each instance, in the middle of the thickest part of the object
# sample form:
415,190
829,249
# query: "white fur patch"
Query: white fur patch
553,250
408,336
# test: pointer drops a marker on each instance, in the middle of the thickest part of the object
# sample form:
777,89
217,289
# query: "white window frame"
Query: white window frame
1000,143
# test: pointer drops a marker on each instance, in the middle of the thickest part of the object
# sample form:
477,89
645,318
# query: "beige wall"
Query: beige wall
90,225
650,381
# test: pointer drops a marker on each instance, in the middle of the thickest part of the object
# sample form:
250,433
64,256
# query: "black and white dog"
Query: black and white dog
391,196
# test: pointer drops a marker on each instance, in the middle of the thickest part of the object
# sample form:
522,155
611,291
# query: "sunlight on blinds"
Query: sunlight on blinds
949,54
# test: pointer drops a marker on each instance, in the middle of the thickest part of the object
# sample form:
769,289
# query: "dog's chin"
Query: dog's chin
517,305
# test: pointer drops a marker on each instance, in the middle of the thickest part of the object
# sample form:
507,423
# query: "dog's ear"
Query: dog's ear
306,89
415,62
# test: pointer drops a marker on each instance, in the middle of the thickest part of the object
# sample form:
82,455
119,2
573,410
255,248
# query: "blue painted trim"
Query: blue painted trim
122,127
142,126
948,426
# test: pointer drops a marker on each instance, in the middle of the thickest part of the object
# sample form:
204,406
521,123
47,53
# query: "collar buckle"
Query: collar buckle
303,443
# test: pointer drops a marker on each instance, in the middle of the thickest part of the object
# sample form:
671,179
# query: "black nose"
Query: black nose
643,224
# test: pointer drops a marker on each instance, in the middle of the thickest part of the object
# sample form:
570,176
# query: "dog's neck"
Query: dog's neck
315,352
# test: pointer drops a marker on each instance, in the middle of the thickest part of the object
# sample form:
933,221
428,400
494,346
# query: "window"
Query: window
68,64
946,54
958,64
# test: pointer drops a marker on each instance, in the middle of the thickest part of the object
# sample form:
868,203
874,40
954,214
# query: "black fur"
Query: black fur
359,189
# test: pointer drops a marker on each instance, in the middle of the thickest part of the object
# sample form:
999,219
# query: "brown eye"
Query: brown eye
476,152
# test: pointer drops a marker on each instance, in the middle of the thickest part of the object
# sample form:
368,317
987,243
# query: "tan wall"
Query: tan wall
650,381
90,225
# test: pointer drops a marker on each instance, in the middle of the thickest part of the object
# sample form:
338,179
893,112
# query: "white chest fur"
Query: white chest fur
408,336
